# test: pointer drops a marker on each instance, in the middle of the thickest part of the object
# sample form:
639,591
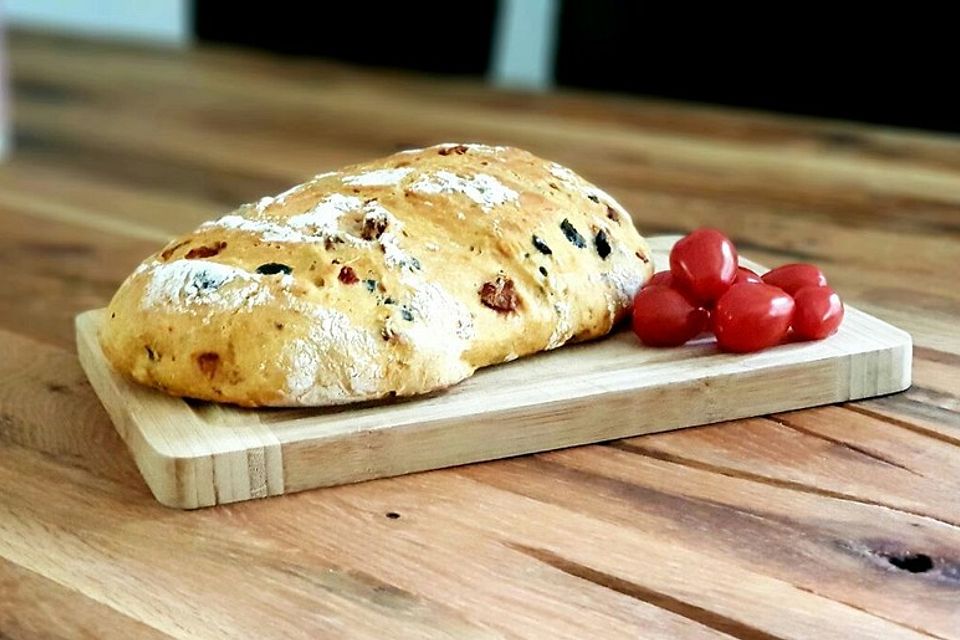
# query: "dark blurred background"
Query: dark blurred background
892,65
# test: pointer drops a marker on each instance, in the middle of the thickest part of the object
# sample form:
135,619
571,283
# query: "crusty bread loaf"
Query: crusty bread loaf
389,278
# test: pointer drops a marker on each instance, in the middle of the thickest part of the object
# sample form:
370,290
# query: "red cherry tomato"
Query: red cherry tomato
750,317
662,278
793,277
704,263
663,317
818,314
666,279
746,275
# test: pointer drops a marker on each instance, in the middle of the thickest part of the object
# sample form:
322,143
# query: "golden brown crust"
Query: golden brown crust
393,277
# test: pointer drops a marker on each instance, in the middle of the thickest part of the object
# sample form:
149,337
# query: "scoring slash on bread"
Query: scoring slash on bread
394,277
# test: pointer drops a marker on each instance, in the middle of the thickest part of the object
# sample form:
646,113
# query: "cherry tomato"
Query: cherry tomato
663,317
666,279
818,314
793,277
746,275
704,263
750,317
661,278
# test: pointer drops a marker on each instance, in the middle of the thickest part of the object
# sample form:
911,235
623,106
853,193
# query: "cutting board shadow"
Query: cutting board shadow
194,454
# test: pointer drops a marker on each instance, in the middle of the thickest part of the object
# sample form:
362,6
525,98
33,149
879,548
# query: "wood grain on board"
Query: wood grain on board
836,522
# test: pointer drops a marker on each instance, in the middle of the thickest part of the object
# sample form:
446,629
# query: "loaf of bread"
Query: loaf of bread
395,277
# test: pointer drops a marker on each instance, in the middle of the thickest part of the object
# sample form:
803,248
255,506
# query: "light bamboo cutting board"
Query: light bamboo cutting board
199,454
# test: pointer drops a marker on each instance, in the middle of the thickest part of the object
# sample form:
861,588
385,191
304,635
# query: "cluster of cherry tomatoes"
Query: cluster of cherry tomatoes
707,290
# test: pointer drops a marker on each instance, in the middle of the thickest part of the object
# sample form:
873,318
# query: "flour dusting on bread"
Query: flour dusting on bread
335,362
378,177
446,322
266,230
185,285
323,218
483,189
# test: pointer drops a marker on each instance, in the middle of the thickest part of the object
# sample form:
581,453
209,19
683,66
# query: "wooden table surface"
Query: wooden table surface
837,522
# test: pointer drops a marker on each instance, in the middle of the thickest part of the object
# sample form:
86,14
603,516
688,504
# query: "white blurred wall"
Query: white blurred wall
156,21
524,43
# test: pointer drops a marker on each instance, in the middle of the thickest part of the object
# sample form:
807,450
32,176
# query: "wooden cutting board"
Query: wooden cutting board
199,454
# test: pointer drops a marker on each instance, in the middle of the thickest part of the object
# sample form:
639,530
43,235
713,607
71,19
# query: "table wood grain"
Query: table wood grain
837,522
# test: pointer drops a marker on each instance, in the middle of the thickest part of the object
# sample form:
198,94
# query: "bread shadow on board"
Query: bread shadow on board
204,408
